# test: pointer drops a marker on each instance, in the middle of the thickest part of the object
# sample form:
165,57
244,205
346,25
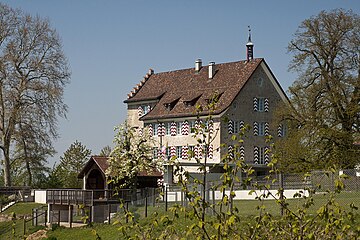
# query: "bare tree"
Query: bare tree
33,74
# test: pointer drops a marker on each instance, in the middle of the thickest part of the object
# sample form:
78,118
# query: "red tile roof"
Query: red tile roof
186,85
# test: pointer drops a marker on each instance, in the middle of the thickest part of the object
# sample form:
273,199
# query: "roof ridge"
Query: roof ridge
222,63
142,82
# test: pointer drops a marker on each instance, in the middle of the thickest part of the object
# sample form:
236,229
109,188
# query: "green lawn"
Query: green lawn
20,209
247,209
23,208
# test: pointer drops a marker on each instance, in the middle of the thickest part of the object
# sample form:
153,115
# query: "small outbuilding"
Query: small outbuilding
94,175
96,196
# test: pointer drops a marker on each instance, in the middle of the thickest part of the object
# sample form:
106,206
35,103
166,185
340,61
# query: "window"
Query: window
155,130
236,126
178,152
191,151
261,155
192,124
178,128
261,129
146,109
168,128
261,104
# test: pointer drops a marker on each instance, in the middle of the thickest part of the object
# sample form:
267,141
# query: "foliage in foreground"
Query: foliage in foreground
205,219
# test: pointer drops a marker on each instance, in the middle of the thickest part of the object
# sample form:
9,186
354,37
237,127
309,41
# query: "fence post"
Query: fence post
90,214
182,197
127,210
59,219
213,199
109,212
32,216
70,215
45,218
24,226
36,216
281,191
146,201
156,191
166,198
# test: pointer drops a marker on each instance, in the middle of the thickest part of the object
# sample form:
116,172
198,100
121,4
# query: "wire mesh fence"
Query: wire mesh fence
317,184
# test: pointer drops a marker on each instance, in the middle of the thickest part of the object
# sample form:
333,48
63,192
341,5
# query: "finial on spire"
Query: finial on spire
249,47
249,39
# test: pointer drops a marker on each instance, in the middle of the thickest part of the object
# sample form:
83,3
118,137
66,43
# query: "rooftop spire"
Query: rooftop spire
249,39
249,47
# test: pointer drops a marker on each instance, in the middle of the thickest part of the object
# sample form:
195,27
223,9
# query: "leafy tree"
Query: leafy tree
105,151
324,116
33,74
132,154
71,163
48,179
32,148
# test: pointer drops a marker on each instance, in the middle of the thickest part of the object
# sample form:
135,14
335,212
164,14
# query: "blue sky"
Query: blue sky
110,45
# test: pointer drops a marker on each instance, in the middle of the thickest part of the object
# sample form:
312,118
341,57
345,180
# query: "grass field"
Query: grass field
20,210
247,211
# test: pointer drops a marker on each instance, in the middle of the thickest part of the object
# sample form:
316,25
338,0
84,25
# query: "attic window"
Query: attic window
191,102
169,106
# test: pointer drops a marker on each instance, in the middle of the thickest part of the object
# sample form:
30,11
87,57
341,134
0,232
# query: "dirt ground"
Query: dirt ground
4,218
37,235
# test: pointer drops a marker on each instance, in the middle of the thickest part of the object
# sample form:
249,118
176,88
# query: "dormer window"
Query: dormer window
146,109
192,102
169,106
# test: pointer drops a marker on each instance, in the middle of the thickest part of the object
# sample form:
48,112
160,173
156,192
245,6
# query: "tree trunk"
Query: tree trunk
27,164
7,177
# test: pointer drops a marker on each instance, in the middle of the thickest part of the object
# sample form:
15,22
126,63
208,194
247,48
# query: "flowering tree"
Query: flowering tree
131,155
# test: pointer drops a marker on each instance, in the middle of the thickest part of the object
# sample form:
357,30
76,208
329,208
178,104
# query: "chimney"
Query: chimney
249,48
198,65
211,69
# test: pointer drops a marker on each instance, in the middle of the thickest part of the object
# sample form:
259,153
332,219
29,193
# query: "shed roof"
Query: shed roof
103,164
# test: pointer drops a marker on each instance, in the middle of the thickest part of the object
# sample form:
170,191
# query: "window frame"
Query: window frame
261,128
179,128
179,152
167,128
155,129
261,104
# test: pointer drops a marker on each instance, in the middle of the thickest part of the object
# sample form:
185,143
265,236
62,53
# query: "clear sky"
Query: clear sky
111,44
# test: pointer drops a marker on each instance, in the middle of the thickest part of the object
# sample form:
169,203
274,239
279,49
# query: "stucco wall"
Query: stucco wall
242,109
261,84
